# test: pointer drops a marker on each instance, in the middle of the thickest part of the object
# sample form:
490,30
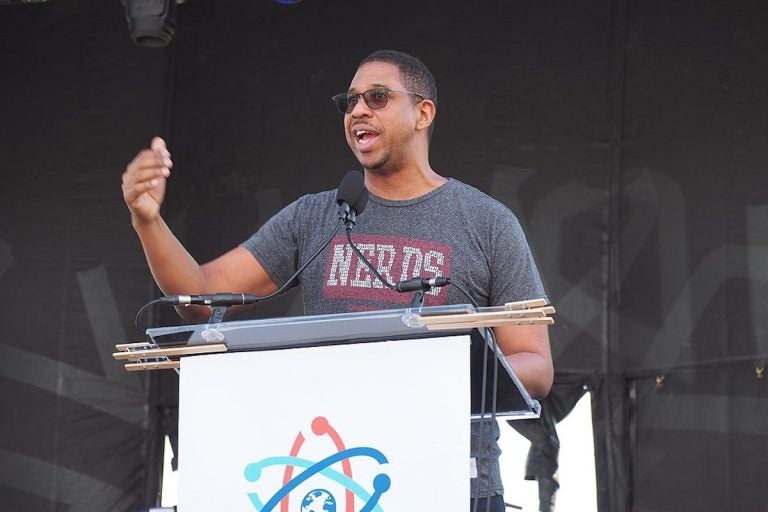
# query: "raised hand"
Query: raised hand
144,181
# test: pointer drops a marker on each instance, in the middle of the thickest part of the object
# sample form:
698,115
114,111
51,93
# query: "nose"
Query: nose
361,108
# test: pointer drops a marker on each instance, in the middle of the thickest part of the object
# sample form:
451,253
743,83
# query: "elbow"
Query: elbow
543,391
542,384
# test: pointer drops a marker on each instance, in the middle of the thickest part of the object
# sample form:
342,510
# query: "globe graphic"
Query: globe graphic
318,500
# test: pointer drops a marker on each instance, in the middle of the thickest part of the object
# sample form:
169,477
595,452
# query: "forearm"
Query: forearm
526,347
175,271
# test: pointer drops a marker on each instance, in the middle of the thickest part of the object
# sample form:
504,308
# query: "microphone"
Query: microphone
352,197
421,284
213,300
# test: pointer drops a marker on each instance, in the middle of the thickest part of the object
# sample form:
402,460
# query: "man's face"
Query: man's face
381,139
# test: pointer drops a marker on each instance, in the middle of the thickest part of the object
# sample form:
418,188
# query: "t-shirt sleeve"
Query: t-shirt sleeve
275,245
514,275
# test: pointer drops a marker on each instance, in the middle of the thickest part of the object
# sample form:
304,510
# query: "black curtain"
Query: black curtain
629,137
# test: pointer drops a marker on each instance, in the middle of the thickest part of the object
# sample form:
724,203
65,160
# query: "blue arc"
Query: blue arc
253,473
381,482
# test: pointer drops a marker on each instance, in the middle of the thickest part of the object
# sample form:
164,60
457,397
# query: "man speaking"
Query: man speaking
416,223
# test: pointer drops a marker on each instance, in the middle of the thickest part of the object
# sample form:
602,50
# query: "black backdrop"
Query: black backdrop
629,137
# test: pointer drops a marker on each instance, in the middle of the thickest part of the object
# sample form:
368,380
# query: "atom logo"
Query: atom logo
320,499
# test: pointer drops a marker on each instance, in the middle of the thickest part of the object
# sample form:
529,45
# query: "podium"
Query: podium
349,412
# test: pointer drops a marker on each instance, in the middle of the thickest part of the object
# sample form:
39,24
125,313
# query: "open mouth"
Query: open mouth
364,136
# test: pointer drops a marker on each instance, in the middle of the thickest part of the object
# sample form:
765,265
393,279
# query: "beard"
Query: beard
375,164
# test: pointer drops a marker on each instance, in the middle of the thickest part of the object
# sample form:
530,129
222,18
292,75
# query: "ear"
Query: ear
426,114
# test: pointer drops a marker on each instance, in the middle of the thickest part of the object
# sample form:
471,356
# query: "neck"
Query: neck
403,183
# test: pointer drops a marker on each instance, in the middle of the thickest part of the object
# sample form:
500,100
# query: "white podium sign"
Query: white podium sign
378,426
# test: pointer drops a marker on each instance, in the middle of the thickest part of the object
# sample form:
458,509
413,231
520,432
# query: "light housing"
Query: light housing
151,23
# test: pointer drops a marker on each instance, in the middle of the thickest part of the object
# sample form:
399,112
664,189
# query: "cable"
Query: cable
489,335
141,311
366,262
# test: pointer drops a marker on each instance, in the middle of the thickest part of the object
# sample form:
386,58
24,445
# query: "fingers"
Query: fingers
159,147
148,170
147,165
157,160
148,159
158,144
132,191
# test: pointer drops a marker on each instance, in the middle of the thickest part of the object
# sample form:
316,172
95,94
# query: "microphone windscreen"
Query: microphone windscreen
361,202
350,188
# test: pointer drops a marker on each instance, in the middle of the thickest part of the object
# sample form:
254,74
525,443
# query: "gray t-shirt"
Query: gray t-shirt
455,231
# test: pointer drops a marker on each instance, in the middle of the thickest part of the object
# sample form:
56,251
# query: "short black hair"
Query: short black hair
415,75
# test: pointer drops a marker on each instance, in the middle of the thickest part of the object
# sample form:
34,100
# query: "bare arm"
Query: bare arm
175,271
527,350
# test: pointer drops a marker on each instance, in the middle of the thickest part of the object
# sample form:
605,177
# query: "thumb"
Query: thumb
158,144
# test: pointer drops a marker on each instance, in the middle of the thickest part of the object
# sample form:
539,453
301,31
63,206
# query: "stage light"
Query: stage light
151,23
287,2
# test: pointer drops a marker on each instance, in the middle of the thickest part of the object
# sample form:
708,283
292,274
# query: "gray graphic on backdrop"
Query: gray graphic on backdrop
579,303
576,308
65,380
116,393
60,484
106,324
663,207
669,342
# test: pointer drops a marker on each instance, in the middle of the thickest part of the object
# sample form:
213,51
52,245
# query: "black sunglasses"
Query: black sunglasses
374,98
